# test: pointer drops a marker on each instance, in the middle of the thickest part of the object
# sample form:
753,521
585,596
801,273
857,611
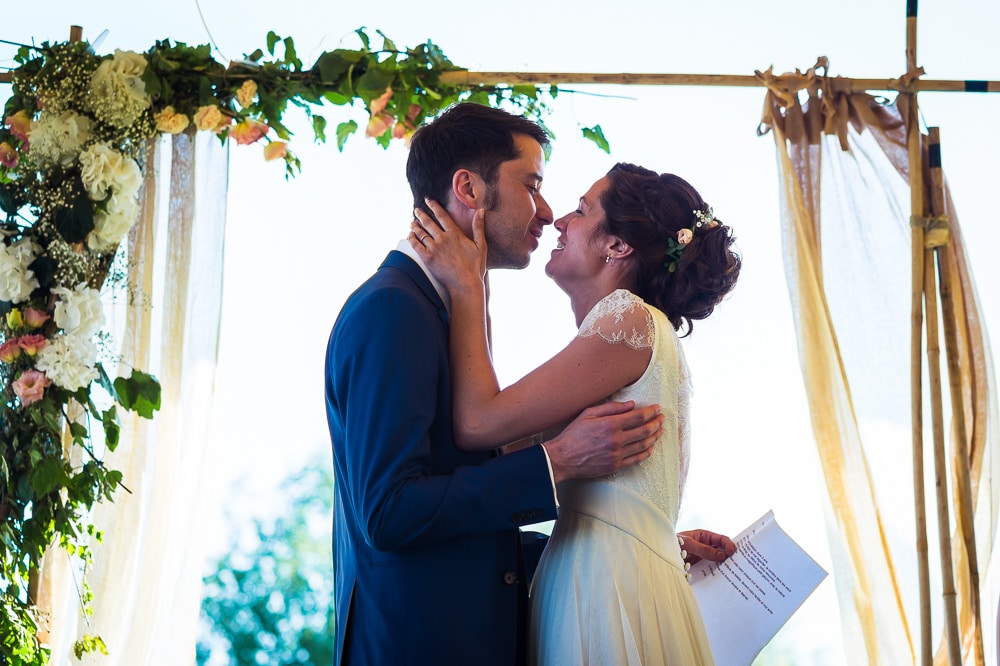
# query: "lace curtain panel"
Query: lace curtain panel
146,576
843,168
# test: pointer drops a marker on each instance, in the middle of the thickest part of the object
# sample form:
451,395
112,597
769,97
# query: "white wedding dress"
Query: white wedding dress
610,588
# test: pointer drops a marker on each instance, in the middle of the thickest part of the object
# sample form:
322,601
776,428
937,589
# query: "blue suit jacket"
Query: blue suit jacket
426,545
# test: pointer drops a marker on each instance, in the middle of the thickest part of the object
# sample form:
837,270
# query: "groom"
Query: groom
428,561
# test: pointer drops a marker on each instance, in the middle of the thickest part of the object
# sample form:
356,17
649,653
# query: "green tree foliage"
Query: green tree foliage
270,600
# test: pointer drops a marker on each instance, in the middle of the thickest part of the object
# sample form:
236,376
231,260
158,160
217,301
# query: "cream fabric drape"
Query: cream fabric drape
845,229
146,576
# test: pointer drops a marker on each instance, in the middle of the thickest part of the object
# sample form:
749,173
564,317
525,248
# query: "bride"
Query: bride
641,257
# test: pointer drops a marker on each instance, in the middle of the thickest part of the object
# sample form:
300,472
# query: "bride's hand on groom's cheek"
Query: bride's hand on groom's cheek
706,545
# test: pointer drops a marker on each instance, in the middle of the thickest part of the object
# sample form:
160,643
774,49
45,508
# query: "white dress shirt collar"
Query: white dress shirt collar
404,247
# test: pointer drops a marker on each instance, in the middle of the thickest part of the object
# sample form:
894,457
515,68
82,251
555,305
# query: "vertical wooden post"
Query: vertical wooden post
963,482
940,461
916,338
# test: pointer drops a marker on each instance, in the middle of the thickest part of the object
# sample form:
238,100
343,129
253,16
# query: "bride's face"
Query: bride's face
580,250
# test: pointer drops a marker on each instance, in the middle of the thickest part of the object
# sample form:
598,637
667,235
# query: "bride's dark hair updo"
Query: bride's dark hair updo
645,209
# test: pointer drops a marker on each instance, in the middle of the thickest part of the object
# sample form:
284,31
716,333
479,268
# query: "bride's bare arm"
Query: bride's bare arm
585,372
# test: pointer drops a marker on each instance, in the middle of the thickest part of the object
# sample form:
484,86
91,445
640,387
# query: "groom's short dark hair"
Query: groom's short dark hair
466,136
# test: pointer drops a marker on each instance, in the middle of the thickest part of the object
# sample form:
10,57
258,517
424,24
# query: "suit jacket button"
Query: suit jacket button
509,578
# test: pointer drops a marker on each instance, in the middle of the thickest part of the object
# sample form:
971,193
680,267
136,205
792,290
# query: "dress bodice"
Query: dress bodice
624,318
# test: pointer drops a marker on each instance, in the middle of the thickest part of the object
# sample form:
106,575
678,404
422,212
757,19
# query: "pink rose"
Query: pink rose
399,130
35,318
30,386
412,114
379,124
31,344
684,236
248,131
378,104
275,150
20,125
210,119
9,351
8,156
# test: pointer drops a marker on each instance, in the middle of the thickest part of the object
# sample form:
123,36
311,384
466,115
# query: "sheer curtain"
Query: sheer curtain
846,232
146,576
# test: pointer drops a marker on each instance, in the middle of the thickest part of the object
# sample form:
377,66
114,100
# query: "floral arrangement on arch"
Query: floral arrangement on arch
73,137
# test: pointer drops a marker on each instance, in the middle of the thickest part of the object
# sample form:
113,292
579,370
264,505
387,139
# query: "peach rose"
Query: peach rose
378,124
31,344
35,318
30,386
9,351
275,150
210,119
247,92
399,130
684,236
8,156
248,131
378,104
171,122
20,125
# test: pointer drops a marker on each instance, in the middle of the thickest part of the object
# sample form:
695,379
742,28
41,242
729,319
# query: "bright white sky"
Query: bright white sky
295,250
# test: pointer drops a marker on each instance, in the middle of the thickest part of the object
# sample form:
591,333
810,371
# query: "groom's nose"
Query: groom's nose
543,212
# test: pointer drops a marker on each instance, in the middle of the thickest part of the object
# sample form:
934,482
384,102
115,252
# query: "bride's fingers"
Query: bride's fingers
419,239
441,216
427,223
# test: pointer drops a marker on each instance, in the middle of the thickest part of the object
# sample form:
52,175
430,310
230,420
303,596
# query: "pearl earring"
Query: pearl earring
607,259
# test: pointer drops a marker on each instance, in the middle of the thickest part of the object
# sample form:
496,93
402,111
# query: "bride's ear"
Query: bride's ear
468,189
619,249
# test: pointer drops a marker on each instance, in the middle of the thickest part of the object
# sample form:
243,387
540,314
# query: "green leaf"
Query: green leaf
272,39
319,128
596,134
112,431
374,81
291,58
46,475
139,393
75,220
345,130
331,66
387,44
360,32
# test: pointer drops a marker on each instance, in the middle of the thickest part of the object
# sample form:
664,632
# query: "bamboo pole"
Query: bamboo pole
467,78
916,342
948,593
964,512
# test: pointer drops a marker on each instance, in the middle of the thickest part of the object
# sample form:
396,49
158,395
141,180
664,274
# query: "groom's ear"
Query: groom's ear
468,188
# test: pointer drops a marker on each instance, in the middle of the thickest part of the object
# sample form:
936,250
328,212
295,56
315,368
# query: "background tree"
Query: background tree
270,599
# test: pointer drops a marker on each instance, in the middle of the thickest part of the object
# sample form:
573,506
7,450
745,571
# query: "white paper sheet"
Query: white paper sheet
747,598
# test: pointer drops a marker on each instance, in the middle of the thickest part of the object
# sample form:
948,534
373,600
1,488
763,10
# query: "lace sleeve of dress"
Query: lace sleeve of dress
621,316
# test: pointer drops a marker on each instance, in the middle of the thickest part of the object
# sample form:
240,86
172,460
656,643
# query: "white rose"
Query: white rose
68,360
58,139
79,312
110,226
16,280
103,168
118,95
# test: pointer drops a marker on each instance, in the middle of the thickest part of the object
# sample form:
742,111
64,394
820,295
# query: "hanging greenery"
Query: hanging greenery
72,143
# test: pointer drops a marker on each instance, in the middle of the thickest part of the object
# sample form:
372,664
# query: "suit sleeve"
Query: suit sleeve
399,472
